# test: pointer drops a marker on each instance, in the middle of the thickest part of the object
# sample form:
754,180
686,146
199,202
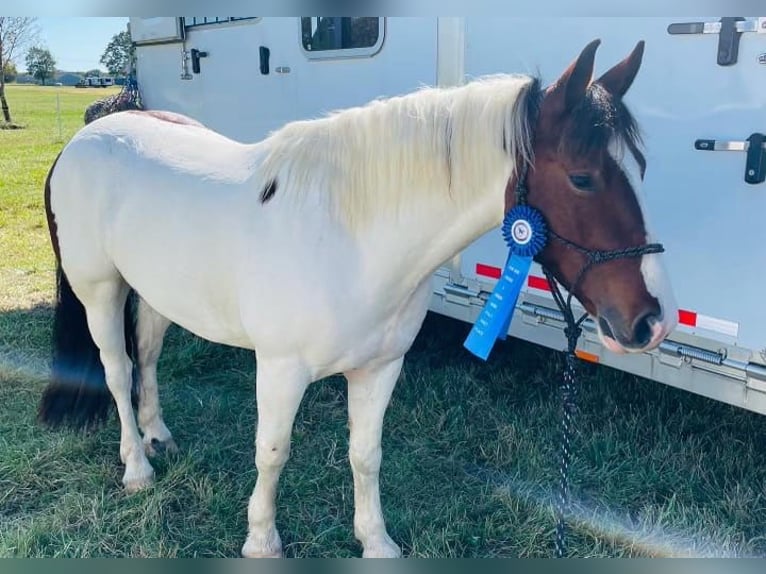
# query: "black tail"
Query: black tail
77,394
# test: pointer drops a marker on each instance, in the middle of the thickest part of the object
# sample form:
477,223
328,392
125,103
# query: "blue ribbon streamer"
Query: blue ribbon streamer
507,325
525,232
495,318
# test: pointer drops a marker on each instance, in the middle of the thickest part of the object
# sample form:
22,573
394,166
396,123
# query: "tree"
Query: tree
119,54
96,73
10,72
40,63
15,34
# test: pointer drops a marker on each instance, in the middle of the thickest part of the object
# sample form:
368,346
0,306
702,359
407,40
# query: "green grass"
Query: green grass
470,449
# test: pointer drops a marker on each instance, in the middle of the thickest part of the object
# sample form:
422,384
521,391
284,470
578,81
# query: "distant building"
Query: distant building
69,78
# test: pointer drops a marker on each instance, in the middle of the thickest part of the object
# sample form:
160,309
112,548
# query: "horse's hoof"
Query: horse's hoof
385,548
258,555
138,485
138,482
271,547
157,447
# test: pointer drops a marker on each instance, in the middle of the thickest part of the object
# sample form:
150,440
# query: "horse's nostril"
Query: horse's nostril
642,329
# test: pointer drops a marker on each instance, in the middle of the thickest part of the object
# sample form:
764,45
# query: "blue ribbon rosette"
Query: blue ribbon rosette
526,233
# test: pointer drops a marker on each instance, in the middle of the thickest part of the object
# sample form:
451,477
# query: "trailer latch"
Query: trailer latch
755,163
195,57
729,30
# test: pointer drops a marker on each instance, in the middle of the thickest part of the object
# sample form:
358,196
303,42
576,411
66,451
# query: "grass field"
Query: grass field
470,448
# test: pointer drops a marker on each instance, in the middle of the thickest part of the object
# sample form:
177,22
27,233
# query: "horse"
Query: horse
129,98
315,248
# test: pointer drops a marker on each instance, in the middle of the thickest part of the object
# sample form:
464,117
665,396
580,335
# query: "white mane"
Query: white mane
448,141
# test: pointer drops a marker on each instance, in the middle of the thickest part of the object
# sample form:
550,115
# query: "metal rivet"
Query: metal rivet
751,172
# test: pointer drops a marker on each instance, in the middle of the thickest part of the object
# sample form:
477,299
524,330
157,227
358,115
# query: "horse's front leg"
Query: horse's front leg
280,386
369,391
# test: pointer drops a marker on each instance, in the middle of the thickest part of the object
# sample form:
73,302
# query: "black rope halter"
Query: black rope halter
572,332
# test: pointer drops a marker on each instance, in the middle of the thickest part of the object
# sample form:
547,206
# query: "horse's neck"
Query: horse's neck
404,249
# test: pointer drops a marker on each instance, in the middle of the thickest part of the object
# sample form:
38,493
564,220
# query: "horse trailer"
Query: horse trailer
699,100
96,82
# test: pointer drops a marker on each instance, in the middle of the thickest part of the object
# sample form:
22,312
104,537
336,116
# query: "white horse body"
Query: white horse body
366,204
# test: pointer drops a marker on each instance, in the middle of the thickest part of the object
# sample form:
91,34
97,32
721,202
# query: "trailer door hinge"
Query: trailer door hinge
755,164
729,30
461,294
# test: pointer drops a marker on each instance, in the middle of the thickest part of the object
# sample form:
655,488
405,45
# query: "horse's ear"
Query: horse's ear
570,88
618,80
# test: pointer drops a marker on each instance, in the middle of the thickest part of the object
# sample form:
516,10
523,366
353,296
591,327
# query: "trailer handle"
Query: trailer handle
755,163
265,53
195,57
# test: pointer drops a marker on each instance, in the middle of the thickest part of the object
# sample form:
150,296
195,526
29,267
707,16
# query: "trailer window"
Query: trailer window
196,21
331,36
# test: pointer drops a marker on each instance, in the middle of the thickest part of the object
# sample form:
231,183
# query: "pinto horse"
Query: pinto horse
315,248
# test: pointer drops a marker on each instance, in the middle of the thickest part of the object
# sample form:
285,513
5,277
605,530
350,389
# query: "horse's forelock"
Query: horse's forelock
598,120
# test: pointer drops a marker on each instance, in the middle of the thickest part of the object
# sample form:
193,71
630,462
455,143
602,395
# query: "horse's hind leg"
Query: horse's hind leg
150,332
104,303
369,391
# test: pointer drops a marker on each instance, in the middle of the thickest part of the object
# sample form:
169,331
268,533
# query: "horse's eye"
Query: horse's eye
582,181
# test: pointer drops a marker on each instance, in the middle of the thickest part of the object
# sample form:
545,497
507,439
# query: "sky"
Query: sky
77,43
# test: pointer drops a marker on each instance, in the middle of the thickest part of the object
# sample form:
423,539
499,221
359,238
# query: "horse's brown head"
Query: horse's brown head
587,167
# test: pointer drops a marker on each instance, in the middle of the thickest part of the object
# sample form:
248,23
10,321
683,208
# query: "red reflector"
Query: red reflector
488,271
538,283
687,318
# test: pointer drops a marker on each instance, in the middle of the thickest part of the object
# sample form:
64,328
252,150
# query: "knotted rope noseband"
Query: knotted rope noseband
572,332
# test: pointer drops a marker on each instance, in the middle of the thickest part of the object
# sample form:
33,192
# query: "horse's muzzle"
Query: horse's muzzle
646,332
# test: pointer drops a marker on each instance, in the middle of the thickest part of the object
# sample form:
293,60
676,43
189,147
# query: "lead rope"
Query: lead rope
568,391
572,331
567,387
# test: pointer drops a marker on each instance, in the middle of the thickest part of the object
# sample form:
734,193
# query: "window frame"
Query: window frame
240,20
344,53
